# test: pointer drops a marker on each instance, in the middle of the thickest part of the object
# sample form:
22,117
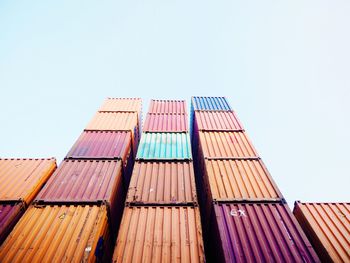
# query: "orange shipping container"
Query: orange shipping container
162,183
22,179
327,226
160,234
59,233
122,104
217,121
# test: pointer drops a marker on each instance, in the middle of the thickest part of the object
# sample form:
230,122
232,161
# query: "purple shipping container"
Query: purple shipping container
9,215
258,233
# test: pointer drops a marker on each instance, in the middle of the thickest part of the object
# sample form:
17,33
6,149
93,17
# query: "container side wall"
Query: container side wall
210,103
165,123
168,106
9,215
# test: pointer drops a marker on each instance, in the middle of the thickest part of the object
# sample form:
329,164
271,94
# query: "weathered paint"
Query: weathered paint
258,233
71,233
164,146
162,183
210,103
165,123
217,121
122,104
226,145
22,179
168,106
327,226
10,213
160,234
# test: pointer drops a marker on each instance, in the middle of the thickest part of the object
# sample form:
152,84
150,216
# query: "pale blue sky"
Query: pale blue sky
284,66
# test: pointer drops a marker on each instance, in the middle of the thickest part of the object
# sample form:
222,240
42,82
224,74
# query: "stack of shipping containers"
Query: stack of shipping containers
161,220
76,215
245,217
20,182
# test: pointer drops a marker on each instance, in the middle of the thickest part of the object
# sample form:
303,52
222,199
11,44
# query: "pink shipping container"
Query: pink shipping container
168,106
166,123
216,121
258,233
10,213
122,105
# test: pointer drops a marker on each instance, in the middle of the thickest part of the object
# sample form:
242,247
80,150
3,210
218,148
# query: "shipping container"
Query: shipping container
249,232
164,146
225,145
10,213
165,123
210,104
102,144
22,179
160,234
69,233
162,183
217,121
122,105
168,106
327,226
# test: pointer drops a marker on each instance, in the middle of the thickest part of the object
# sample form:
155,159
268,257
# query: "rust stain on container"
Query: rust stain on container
160,234
327,226
162,183
113,121
71,233
22,179
226,145
103,144
9,215
122,104
217,121
165,123
258,233
168,106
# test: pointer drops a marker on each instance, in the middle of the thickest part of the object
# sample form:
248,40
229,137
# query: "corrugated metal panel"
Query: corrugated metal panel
240,180
113,121
57,234
102,144
9,215
22,179
226,144
259,233
166,123
217,121
164,146
122,104
83,181
168,106
162,183
160,234
210,103
328,227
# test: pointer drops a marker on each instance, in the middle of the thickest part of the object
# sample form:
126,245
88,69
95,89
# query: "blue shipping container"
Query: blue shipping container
210,103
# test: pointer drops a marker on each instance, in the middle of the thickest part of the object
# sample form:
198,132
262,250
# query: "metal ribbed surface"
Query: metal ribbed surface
164,146
83,180
162,183
259,233
57,234
166,123
160,234
22,179
328,227
217,120
168,106
102,144
240,180
113,121
226,144
9,215
210,103
122,104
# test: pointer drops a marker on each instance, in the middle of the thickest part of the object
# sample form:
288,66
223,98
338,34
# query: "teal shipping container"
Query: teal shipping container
164,146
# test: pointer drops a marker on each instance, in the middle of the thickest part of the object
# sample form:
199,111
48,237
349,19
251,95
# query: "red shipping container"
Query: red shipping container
165,123
168,106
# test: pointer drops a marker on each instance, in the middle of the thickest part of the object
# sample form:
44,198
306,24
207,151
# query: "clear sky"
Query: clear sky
284,66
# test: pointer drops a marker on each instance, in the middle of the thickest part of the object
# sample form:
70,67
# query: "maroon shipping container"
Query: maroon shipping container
165,123
258,233
10,213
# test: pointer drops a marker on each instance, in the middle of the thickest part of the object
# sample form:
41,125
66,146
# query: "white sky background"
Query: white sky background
284,66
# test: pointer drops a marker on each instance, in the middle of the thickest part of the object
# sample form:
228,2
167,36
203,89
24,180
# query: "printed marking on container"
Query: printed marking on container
239,213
